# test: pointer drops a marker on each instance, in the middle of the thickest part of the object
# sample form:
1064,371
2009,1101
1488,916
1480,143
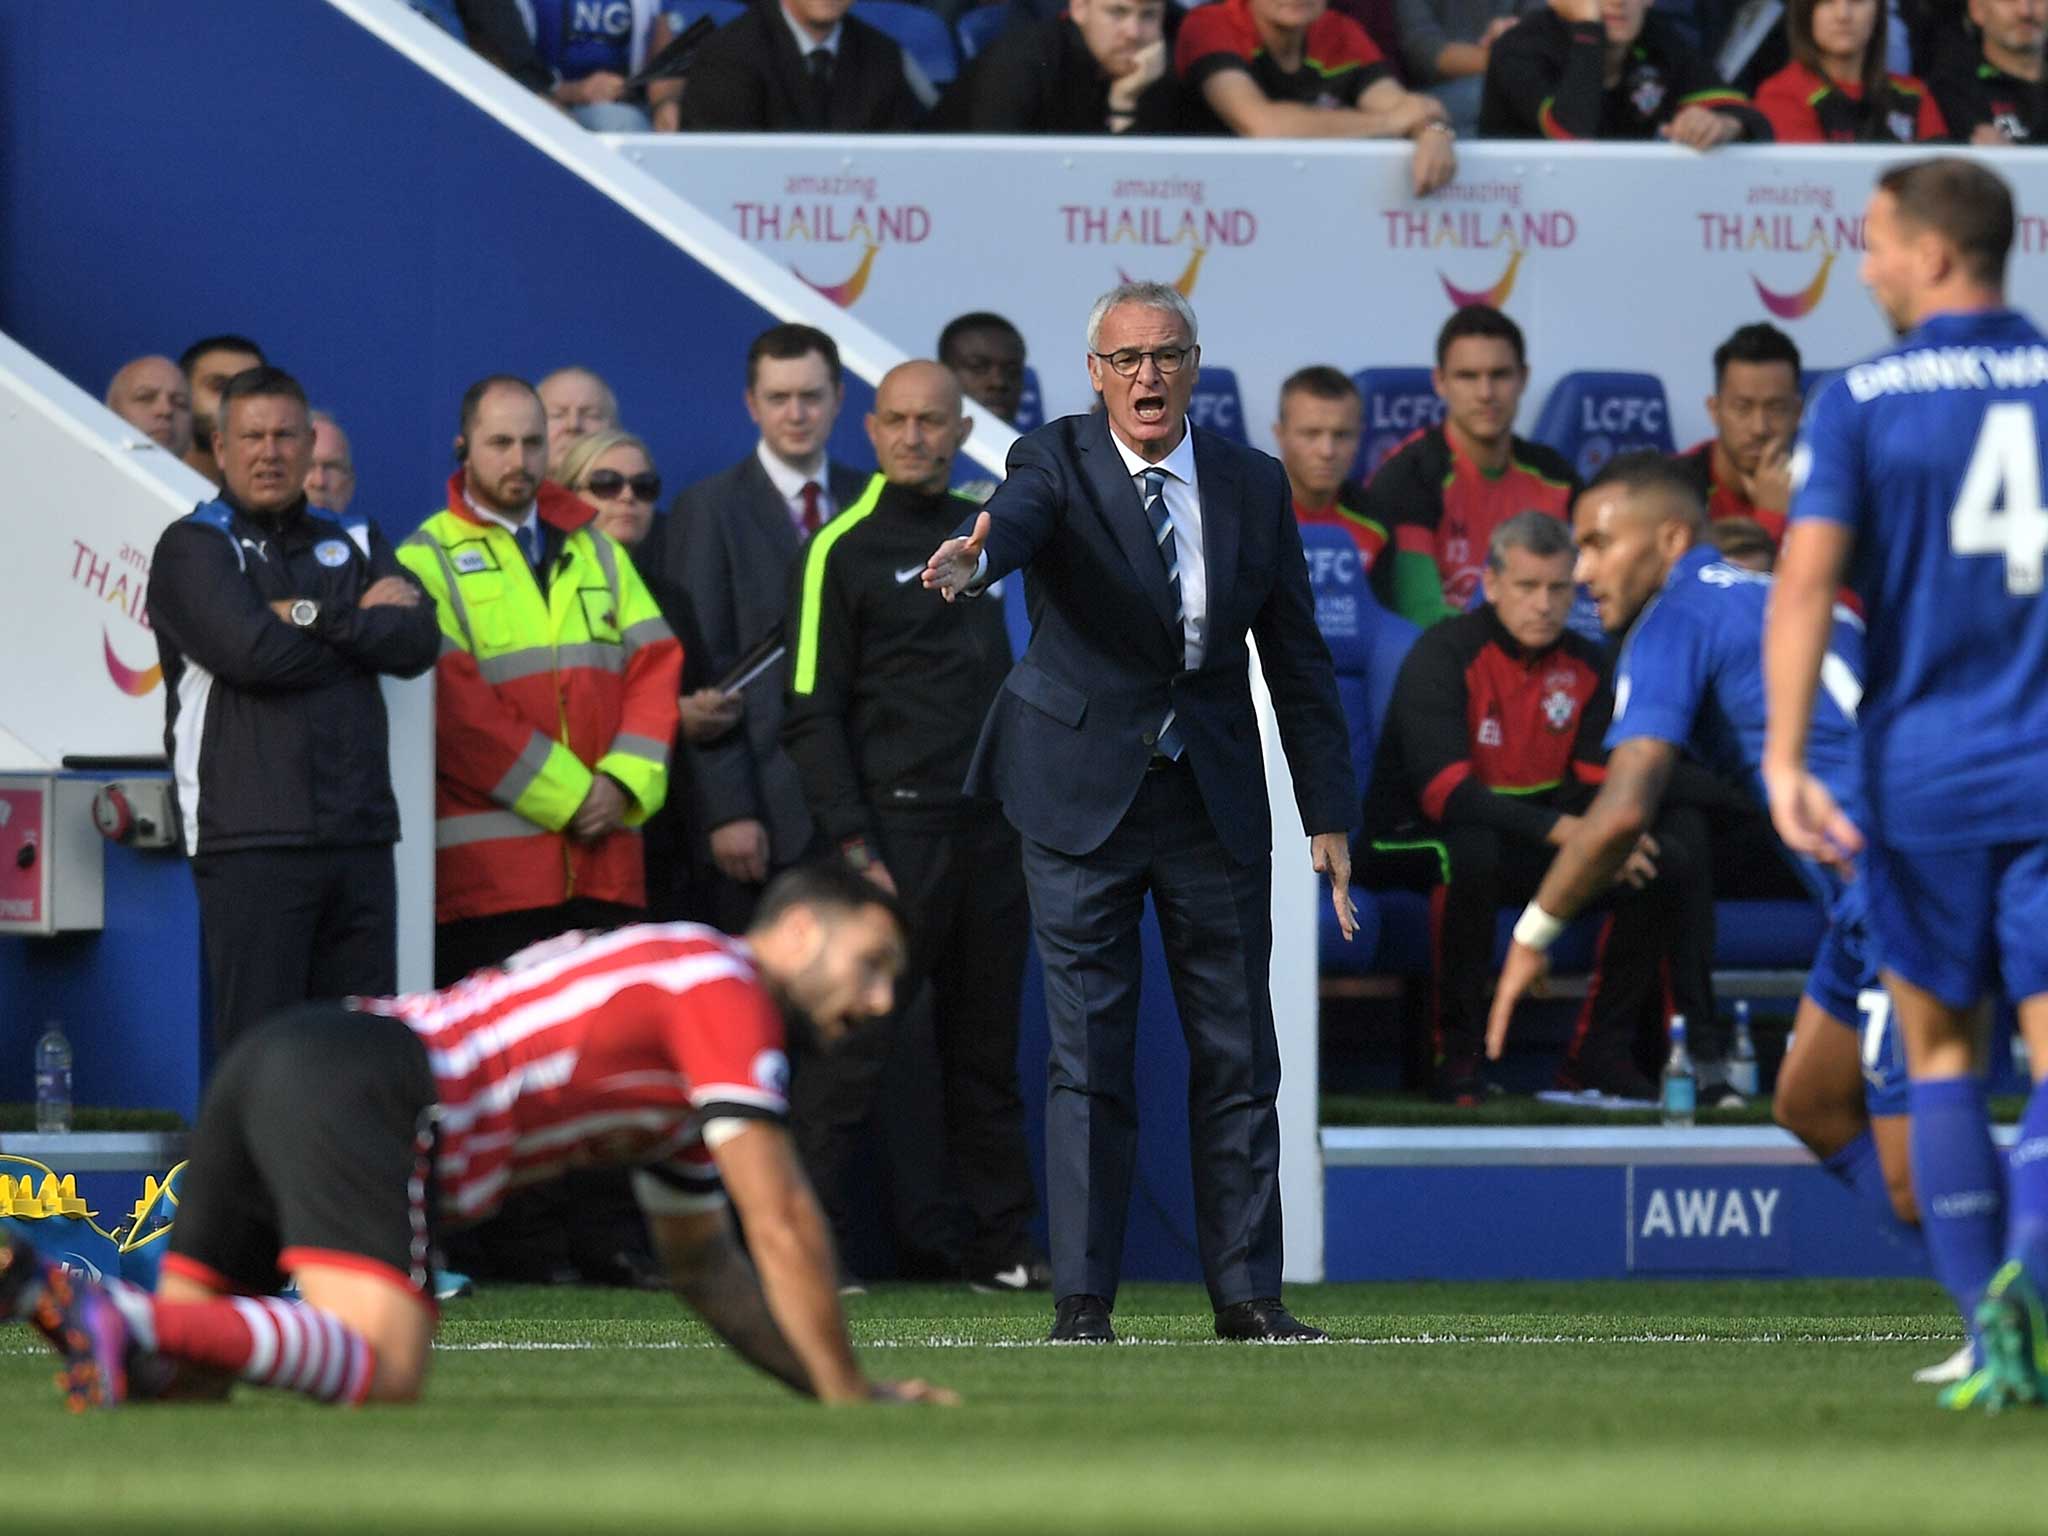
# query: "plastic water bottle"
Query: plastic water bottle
53,1083
1681,1087
1742,1075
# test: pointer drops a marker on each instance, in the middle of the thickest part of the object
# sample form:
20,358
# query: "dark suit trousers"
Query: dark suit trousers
1216,918
963,889
294,925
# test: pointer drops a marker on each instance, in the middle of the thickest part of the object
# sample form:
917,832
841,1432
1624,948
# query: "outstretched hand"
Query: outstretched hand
952,567
1521,974
1330,852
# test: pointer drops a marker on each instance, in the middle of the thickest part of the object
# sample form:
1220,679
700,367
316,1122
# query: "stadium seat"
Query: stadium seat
1216,404
1398,401
1031,405
1591,416
980,27
681,13
1366,645
918,32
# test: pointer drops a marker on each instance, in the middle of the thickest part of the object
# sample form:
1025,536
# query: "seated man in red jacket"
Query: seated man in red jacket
1492,746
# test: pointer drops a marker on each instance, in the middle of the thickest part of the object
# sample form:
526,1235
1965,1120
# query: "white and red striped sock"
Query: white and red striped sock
268,1342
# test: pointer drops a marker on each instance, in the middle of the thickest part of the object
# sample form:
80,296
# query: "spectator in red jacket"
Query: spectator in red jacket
1837,90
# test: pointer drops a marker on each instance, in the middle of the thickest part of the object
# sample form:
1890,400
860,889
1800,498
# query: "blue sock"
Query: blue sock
1857,1166
2027,1240
1959,1184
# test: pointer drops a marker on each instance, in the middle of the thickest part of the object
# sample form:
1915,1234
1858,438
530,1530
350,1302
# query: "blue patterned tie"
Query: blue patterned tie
1169,746
529,543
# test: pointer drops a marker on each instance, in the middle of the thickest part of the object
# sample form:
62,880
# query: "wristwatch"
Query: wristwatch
305,613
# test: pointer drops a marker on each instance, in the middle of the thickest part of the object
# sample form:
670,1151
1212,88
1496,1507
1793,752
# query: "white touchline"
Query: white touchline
949,1341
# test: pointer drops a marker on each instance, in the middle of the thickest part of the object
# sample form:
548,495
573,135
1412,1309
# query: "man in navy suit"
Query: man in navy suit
1124,749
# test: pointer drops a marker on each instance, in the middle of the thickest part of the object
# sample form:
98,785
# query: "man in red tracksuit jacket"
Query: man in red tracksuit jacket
1492,745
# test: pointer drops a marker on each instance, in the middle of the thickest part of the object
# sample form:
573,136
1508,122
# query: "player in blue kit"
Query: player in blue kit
1918,476
1690,684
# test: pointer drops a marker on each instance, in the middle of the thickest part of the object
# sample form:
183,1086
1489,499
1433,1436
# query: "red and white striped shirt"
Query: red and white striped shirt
589,1050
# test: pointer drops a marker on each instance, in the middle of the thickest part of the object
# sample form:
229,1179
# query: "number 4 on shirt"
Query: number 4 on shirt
1999,510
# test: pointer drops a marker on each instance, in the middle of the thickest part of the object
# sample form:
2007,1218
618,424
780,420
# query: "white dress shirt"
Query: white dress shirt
789,485
806,44
1183,495
512,525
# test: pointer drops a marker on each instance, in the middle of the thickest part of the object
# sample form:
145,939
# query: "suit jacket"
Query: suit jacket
1066,743
750,78
730,545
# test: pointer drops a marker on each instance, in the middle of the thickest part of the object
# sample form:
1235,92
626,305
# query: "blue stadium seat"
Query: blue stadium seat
1591,416
1366,645
918,32
1031,405
1216,404
980,27
1397,402
681,13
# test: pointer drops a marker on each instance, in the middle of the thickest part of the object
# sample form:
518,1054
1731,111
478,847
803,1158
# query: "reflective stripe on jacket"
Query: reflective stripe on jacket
537,691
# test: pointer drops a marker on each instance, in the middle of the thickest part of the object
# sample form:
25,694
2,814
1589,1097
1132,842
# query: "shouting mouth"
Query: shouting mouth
1150,409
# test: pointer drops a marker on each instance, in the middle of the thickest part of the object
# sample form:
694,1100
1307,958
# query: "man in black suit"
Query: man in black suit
800,66
730,544
1124,748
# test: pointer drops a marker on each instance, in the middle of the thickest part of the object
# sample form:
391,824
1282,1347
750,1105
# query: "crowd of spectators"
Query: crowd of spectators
689,800
1699,74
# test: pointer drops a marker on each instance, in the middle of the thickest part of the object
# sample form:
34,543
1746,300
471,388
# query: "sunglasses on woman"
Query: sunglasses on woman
607,484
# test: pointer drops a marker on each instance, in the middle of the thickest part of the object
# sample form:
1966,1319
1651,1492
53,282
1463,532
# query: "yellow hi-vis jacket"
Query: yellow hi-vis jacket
536,692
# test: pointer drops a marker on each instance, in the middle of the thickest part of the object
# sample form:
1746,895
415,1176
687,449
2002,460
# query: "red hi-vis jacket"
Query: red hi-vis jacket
537,691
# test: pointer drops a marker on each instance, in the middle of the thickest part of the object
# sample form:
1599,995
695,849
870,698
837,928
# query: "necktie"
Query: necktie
528,535
814,512
819,62
1169,744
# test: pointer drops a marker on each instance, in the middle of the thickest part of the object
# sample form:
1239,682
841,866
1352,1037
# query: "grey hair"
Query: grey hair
1543,535
1147,296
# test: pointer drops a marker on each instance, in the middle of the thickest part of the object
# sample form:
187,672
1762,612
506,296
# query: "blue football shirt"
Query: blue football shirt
1691,673
1931,454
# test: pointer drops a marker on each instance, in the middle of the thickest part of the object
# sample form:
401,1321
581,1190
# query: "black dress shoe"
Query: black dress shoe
1081,1320
1264,1320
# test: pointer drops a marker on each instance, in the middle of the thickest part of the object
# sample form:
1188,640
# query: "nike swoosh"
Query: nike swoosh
903,576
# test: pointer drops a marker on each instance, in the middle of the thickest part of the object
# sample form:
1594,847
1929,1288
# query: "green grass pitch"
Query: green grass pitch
1709,1407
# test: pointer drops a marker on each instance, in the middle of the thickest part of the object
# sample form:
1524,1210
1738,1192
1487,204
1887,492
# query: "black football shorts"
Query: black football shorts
315,1146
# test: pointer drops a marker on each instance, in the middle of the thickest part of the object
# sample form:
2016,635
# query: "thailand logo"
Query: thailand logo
837,215
845,294
1795,220
1495,297
126,678
1795,306
1169,215
1495,217
1185,283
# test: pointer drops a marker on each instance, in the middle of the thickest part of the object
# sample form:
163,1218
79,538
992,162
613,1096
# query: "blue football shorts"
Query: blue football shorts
1844,985
1959,922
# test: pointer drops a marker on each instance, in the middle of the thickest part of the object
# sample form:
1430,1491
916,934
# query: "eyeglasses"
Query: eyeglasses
1130,359
608,484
